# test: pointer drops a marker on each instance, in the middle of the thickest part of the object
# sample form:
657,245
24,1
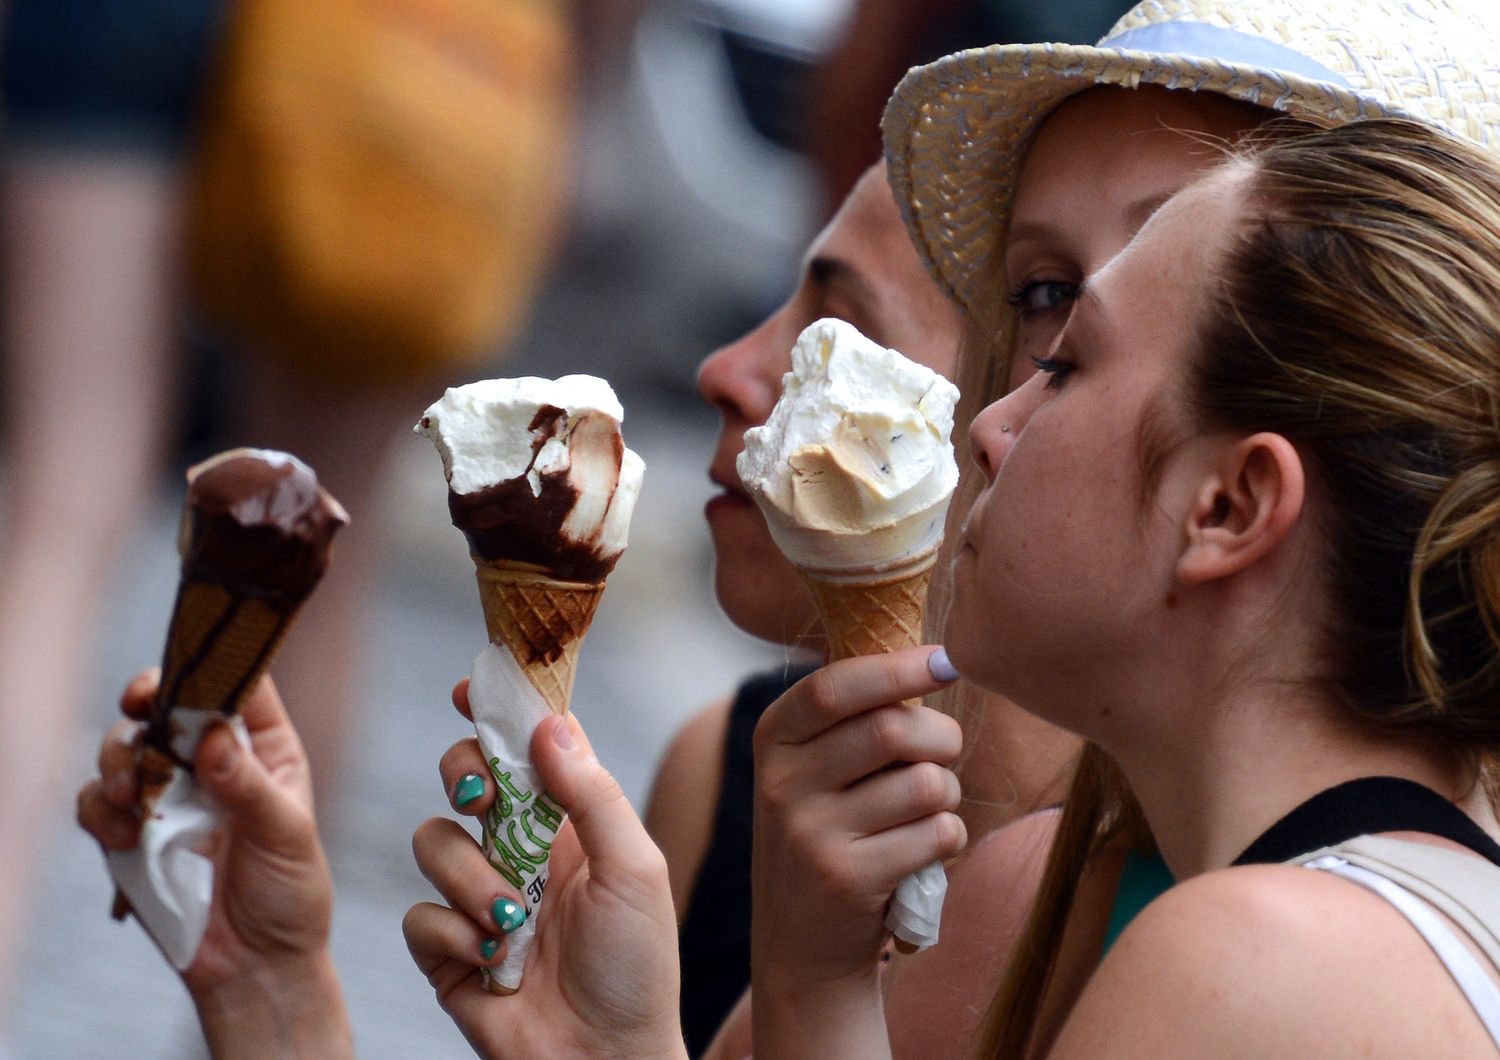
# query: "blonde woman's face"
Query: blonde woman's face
1064,583
1099,166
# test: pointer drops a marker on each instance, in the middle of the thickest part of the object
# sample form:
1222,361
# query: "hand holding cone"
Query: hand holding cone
854,470
542,486
255,538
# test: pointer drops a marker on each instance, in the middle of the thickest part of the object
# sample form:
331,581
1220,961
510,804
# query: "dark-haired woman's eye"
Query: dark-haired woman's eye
1042,296
1056,369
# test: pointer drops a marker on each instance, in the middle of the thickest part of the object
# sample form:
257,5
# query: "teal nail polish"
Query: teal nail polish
488,947
469,787
508,914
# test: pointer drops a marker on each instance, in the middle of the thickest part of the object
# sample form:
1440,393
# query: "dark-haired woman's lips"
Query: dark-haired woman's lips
727,501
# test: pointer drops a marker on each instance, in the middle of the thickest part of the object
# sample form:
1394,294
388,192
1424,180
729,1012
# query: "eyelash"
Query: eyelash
1017,298
1058,370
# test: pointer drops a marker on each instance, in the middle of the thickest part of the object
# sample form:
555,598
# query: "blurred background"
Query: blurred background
276,223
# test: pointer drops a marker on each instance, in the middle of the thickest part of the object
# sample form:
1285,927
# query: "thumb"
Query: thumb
262,811
608,829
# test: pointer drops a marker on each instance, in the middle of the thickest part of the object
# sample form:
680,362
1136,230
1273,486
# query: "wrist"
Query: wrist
288,1008
842,1017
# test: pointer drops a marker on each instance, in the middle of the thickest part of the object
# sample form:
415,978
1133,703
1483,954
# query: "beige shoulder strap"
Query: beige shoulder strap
1464,887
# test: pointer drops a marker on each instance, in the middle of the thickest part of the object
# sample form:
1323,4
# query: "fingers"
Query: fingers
106,806
466,777
461,698
266,813
895,797
436,934
846,688
882,860
608,829
114,828
117,763
456,866
867,743
140,694
262,709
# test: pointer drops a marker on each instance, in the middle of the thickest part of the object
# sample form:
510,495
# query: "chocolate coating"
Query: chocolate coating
508,521
257,522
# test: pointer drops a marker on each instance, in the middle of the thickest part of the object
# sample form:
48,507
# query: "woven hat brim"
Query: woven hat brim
957,129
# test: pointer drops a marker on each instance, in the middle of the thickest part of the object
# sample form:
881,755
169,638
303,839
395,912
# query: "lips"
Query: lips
728,480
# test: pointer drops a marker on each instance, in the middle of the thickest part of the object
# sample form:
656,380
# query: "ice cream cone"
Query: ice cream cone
872,610
541,621
218,644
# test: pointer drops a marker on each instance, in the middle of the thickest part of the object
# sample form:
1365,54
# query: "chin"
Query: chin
764,596
973,645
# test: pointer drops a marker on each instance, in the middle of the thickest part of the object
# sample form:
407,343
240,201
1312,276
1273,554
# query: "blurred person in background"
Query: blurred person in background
99,100
134,128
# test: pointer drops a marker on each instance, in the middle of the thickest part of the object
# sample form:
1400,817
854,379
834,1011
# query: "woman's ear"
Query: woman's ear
1243,509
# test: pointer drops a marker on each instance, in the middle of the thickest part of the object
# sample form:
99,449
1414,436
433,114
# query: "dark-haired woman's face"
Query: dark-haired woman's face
1061,583
1097,169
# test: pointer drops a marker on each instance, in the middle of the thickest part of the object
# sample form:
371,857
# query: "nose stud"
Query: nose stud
1005,428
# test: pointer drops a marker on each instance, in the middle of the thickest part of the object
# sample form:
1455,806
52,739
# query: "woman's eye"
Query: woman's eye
1056,369
1040,296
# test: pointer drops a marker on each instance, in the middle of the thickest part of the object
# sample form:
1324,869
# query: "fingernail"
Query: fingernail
226,757
488,947
939,666
508,914
469,787
562,735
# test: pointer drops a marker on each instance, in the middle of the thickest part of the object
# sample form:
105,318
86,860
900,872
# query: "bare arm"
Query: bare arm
680,812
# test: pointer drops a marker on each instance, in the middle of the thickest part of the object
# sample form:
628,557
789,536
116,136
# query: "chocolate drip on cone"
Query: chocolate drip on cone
517,521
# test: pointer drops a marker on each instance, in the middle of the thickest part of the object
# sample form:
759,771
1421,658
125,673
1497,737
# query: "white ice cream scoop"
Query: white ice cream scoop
854,467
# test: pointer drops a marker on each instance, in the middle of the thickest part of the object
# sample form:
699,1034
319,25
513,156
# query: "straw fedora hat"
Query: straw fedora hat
957,129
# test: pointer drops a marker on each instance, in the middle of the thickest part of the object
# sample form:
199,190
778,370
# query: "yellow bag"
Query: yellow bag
379,184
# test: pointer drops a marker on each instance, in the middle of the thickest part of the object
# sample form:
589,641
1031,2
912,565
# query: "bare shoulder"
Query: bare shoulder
1271,961
684,795
938,997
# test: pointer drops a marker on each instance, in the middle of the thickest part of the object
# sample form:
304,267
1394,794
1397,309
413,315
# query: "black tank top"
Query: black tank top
1367,806
714,942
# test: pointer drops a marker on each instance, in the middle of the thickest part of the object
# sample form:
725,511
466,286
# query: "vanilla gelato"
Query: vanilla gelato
854,468
537,471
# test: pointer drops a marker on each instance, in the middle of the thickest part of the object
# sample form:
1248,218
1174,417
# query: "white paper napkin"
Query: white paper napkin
917,906
169,883
520,826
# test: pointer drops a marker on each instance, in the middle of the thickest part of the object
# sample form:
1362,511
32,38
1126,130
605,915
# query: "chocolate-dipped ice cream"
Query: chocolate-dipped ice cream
543,488
257,521
256,535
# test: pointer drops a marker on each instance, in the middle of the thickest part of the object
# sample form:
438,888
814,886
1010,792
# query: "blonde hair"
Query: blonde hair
1357,313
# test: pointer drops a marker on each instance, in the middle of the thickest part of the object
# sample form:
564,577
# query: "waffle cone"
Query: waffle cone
540,620
872,611
219,643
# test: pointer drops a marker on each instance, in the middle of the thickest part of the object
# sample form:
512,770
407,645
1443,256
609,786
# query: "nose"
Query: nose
996,428
743,378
